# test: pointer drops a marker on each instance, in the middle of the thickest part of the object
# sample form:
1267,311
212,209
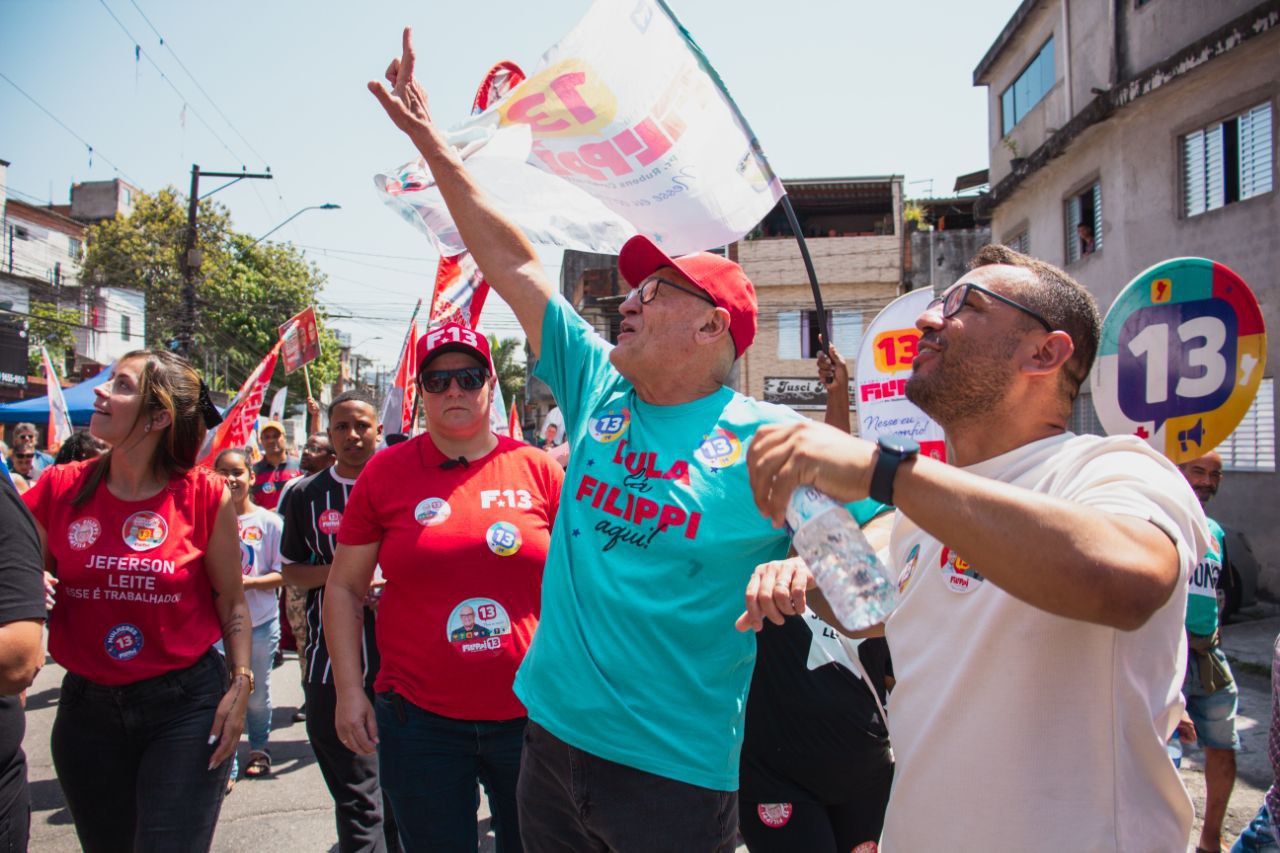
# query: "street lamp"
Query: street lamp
325,206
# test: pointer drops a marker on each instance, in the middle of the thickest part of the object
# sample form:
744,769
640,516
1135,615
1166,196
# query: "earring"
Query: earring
147,428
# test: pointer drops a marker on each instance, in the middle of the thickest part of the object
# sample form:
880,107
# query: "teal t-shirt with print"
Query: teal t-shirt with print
1202,586
636,658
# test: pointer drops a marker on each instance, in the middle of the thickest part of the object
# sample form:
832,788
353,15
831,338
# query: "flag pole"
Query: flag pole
808,268
307,378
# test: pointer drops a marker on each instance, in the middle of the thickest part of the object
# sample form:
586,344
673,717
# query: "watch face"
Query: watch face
900,444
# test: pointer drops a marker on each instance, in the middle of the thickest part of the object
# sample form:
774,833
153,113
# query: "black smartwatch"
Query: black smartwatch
894,450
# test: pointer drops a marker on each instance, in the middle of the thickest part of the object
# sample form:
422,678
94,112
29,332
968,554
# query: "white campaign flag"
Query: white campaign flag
277,405
625,128
60,428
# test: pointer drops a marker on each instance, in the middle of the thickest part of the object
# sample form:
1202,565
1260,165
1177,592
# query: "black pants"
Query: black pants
572,801
364,823
15,800
816,827
133,761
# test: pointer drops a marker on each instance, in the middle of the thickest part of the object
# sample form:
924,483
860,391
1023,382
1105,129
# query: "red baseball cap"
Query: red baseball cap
718,277
453,337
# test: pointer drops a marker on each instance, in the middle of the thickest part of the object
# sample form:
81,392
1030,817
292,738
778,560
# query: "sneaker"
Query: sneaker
300,715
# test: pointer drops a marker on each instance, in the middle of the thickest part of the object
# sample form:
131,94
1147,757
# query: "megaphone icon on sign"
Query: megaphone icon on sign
1196,434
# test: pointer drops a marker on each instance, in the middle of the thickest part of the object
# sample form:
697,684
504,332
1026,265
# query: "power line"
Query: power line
137,46
77,136
327,250
165,44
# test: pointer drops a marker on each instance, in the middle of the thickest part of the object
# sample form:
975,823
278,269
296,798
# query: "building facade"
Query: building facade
1125,133
41,249
855,234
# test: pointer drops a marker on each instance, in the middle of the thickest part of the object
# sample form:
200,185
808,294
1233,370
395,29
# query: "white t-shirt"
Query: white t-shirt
1015,729
260,532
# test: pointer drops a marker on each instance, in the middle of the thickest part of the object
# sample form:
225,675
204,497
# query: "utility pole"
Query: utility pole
191,253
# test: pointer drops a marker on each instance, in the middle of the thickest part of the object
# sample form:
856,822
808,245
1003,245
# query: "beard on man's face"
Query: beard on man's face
963,382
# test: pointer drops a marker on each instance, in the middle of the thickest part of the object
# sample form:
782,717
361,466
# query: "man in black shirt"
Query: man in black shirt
22,614
312,517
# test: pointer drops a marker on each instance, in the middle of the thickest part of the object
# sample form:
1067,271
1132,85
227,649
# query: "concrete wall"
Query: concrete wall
836,260
1135,156
44,254
1156,30
938,258
95,200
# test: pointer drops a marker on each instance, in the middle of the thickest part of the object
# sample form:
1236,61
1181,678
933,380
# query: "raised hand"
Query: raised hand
831,368
406,103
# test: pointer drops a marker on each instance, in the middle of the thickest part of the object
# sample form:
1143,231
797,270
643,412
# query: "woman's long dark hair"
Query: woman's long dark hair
167,383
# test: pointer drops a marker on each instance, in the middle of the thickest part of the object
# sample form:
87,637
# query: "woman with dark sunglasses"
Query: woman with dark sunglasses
458,520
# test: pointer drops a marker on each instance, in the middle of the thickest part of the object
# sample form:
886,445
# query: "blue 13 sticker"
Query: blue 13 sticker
124,641
503,538
609,426
720,449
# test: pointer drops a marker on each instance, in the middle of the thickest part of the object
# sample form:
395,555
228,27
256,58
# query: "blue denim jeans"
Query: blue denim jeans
133,761
257,718
429,764
1259,836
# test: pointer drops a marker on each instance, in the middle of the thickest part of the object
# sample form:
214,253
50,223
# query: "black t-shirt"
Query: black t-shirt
312,516
21,598
813,730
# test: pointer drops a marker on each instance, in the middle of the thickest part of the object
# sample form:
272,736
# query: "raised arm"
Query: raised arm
1062,557
834,374
500,249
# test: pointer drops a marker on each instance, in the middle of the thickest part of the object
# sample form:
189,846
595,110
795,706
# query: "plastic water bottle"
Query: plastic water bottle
842,560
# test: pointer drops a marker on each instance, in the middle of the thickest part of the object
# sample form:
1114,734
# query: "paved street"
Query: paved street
291,810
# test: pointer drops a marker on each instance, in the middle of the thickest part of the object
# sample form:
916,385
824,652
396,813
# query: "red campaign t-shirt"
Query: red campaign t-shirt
462,551
133,598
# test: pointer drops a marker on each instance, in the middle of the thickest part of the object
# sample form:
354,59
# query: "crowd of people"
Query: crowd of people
620,646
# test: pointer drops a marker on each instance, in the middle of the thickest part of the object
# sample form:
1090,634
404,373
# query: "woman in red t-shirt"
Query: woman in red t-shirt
147,561
459,521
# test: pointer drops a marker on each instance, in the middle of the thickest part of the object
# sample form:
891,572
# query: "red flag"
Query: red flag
237,426
460,292
397,408
513,425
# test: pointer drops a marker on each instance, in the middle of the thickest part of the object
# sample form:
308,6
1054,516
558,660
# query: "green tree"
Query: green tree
510,371
243,291
51,327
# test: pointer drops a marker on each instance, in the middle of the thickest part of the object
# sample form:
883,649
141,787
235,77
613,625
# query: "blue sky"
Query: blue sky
831,87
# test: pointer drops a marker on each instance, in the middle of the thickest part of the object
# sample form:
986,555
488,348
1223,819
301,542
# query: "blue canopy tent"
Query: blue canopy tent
79,404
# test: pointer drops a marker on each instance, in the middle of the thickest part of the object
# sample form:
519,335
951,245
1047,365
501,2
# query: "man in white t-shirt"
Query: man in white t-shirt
1037,642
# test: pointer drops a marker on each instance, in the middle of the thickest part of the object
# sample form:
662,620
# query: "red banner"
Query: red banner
513,425
300,336
237,425
397,407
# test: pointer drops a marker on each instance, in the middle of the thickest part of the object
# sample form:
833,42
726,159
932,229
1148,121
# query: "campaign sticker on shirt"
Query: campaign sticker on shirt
329,522
720,449
124,641
610,426
503,538
913,557
251,534
960,576
268,487
774,815
432,511
247,558
145,530
83,532
479,626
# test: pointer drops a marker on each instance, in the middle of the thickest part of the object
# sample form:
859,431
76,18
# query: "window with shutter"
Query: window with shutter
789,334
1020,242
1255,151
1084,209
1228,161
847,333
1252,445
